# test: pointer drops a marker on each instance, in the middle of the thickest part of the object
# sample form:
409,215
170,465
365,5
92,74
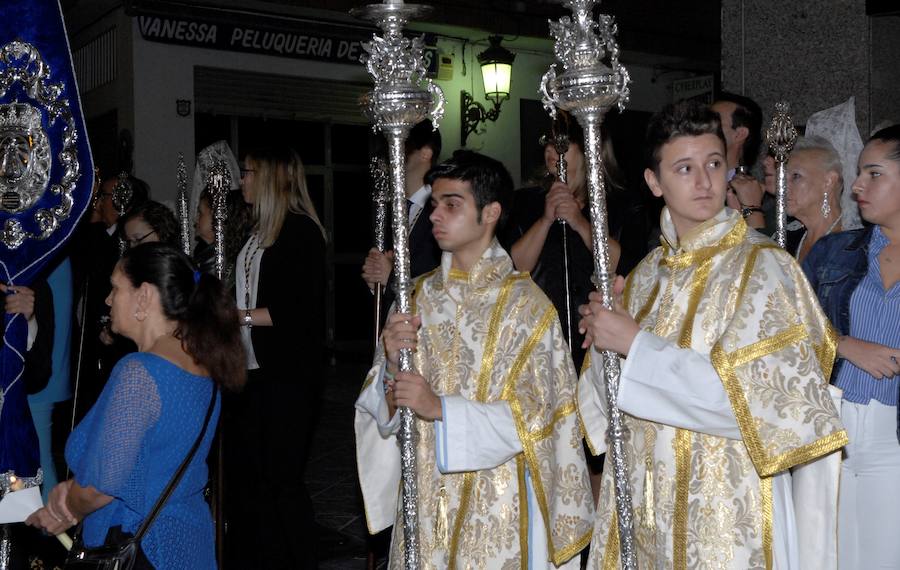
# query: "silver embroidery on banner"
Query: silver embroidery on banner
25,147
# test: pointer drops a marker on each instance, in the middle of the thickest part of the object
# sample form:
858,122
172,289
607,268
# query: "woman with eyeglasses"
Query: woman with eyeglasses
150,222
280,290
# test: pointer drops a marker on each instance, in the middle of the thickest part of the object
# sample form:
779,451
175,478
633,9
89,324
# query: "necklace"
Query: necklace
828,231
248,266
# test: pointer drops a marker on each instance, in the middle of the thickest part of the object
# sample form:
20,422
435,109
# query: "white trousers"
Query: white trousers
869,499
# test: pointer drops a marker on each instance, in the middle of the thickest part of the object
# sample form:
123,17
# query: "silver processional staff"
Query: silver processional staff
402,97
781,136
588,88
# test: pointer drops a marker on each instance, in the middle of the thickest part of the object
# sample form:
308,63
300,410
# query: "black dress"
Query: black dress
271,421
549,272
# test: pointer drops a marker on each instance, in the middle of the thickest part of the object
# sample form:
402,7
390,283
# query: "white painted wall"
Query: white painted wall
164,73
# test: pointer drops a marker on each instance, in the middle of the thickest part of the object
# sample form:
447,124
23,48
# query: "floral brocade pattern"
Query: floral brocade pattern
492,335
757,320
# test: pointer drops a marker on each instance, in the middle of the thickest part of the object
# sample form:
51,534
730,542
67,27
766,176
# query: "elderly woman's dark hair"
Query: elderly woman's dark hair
206,314
157,216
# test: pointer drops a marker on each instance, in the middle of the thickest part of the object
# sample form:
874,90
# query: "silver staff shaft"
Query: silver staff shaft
781,136
380,195
407,435
603,281
780,197
219,183
563,175
588,88
183,208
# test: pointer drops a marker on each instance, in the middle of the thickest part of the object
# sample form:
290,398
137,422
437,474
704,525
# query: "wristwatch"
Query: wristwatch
248,319
746,211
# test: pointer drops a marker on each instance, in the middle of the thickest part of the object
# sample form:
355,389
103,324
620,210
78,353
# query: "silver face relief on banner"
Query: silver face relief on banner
25,149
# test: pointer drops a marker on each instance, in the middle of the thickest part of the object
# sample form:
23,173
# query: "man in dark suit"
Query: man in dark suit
423,147
95,251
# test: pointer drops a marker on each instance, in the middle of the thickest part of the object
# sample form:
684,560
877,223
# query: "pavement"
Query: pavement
331,478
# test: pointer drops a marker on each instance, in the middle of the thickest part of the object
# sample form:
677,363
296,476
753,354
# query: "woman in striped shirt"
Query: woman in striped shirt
856,275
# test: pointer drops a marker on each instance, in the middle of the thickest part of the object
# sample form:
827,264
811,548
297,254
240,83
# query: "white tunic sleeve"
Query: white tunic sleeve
474,435
675,386
372,402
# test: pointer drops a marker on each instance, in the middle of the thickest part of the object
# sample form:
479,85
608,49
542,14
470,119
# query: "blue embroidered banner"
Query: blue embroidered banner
46,174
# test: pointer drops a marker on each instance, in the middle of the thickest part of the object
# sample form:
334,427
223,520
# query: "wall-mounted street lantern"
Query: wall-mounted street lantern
496,72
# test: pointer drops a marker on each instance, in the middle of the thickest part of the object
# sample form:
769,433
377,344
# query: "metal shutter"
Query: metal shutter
253,94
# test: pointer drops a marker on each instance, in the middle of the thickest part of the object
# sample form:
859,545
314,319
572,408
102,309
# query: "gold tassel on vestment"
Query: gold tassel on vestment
441,524
649,519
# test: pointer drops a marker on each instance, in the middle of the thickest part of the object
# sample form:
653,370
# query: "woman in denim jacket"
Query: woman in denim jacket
856,275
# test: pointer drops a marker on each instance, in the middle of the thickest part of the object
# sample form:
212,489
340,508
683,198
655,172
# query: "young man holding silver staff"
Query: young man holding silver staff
501,478
731,426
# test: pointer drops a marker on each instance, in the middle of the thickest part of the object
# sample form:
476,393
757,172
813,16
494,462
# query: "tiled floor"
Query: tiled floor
331,475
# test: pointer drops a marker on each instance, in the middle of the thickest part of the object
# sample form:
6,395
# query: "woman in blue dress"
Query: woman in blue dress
151,411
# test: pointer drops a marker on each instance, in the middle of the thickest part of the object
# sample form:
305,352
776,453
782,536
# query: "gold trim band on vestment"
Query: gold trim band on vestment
682,488
765,464
765,487
611,553
487,362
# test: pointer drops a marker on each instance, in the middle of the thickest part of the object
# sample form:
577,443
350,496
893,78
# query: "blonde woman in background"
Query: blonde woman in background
280,290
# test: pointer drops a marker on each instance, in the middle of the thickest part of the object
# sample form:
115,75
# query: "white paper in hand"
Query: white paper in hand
16,506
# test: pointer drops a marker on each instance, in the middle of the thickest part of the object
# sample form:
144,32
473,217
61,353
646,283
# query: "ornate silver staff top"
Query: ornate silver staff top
183,210
560,143
219,183
781,136
402,98
588,88
122,196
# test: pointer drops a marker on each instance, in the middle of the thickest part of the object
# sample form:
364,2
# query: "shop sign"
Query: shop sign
251,38
694,88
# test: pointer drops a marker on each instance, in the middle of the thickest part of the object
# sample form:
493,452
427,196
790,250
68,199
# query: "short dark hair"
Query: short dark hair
422,135
157,216
746,114
489,179
682,119
204,310
889,135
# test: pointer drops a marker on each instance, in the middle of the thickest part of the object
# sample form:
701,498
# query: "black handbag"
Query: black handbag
122,554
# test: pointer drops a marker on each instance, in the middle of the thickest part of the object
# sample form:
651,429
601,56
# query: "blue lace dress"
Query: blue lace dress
129,445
